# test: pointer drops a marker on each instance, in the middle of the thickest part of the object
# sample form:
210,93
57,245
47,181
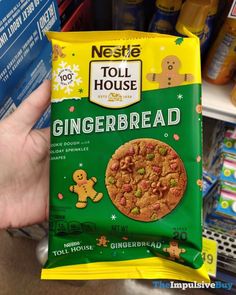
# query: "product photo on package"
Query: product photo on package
126,157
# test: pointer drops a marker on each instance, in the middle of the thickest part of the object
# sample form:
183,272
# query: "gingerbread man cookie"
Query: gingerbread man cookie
102,241
84,188
174,250
169,77
57,52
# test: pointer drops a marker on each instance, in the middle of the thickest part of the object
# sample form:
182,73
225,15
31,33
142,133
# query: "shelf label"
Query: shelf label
209,255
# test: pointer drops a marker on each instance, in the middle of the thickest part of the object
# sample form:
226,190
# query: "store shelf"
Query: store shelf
226,249
216,102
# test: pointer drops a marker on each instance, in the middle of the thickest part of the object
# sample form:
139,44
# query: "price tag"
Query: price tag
209,255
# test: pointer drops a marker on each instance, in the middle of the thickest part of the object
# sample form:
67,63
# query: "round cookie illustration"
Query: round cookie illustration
169,77
145,179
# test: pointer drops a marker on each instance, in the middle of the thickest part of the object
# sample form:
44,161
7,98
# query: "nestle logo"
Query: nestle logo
116,51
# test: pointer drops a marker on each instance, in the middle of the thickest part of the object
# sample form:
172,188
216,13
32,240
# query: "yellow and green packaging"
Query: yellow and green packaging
125,168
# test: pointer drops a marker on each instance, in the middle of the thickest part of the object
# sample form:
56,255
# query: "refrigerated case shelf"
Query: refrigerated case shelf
216,102
226,249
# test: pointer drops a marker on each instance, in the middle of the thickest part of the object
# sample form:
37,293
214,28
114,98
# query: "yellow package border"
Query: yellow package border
146,268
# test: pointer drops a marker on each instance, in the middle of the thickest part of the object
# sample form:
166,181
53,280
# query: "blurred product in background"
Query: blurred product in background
25,53
128,15
233,95
193,16
165,17
220,199
209,26
221,60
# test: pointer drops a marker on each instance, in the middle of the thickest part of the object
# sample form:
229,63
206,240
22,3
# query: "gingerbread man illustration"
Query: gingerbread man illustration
169,77
84,188
174,250
102,241
57,52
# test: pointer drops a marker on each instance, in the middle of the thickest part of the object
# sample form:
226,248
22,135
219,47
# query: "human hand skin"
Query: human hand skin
24,163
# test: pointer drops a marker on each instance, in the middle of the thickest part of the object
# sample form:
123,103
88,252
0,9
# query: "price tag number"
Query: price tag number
208,258
209,255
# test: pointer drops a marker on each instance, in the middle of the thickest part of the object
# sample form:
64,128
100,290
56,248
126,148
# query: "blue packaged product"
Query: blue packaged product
25,53
226,203
221,223
229,142
228,170
209,182
165,17
221,202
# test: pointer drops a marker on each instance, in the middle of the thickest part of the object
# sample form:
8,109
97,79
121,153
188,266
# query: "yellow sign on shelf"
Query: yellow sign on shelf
209,255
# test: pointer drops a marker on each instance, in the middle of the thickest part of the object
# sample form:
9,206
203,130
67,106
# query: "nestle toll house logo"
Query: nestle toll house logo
115,84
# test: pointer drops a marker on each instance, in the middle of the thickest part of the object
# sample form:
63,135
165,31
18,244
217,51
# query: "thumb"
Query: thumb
31,109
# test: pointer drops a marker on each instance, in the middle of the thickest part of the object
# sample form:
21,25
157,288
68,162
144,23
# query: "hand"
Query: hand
24,163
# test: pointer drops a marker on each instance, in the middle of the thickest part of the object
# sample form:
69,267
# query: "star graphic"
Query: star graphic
81,90
162,48
113,217
148,251
180,96
80,164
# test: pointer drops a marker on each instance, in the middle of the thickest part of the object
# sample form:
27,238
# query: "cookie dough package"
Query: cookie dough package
125,176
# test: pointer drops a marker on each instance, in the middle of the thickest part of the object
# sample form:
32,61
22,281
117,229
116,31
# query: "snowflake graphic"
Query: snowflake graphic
180,96
66,77
113,217
80,164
